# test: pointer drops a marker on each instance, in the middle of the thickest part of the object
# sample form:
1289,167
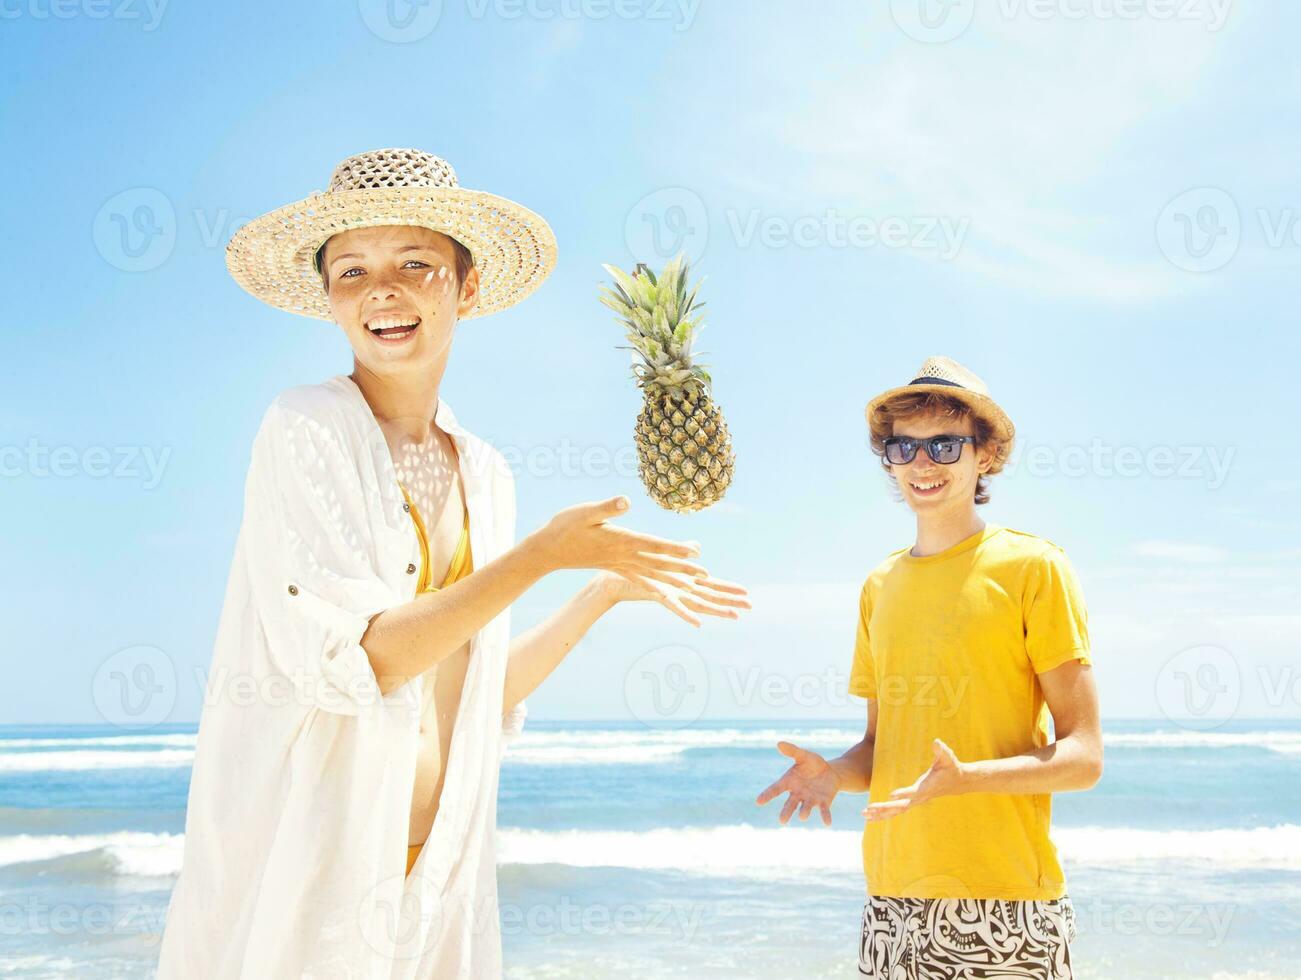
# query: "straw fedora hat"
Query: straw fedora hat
273,257
947,375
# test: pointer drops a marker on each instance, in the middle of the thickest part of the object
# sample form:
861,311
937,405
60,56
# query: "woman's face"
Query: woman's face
393,290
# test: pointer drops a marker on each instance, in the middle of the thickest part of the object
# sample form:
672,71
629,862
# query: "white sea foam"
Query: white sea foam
1284,742
94,741
85,759
745,849
737,850
576,746
571,747
1276,847
129,852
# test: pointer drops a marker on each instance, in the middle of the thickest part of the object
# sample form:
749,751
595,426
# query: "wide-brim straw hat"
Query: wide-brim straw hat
273,257
948,376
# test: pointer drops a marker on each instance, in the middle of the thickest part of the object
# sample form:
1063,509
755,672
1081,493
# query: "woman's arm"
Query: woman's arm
535,653
407,640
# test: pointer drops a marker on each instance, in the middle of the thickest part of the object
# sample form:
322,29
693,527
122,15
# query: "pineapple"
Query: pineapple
684,452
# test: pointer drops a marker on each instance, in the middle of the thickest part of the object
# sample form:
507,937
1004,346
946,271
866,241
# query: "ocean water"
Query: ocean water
629,852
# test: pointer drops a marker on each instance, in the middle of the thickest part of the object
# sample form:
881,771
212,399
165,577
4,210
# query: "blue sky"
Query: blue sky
1091,203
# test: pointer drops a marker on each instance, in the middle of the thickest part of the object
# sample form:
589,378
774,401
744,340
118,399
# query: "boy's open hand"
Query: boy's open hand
945,777
810,781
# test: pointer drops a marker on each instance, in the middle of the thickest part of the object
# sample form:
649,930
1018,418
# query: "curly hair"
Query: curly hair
912,404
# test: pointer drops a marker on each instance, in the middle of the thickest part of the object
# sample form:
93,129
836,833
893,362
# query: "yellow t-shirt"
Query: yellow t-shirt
949,646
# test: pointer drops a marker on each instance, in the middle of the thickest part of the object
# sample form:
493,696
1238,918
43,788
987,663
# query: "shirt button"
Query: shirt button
406,506
293,590
411,569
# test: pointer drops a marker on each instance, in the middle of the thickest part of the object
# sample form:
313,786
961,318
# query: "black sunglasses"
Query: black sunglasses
941,449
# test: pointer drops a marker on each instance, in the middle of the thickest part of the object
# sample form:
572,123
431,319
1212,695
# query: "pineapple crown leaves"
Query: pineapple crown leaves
661,320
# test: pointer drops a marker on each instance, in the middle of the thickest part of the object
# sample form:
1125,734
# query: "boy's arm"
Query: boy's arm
853,768
1072,762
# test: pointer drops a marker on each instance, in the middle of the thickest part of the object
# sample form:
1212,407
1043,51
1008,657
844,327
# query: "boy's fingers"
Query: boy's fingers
826,814
788,809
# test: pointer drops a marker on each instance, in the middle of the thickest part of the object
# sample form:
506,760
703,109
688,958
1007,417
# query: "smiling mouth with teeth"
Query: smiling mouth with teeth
393,328
928,487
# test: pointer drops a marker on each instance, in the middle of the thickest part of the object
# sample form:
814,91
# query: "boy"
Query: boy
967,642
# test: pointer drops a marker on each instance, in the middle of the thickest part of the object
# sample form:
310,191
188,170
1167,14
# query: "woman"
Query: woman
363,677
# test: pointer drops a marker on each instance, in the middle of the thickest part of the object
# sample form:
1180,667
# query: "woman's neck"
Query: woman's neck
402,403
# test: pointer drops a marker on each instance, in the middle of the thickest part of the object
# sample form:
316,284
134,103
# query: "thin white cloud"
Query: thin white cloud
1180,551
1018,126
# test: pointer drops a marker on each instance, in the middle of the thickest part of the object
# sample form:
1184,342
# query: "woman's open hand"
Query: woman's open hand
654,569
707,596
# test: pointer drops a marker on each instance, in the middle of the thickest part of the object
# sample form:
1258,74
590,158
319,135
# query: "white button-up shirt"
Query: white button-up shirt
300,796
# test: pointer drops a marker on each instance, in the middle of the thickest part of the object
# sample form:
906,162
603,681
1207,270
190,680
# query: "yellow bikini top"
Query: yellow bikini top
462,562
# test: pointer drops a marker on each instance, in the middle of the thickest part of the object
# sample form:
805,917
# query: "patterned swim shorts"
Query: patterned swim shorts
966,939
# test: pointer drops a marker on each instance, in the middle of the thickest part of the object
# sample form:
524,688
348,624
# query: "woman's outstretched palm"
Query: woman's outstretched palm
810,781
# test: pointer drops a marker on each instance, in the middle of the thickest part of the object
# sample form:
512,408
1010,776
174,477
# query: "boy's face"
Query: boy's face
389,275
936,488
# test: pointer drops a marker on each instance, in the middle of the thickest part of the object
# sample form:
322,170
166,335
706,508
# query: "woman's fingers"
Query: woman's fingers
675,605
708,608
662,564
674,579
605,509
664,598
687,584
702,588
718,585
637,541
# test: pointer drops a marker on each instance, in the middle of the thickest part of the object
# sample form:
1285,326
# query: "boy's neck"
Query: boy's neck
939,532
